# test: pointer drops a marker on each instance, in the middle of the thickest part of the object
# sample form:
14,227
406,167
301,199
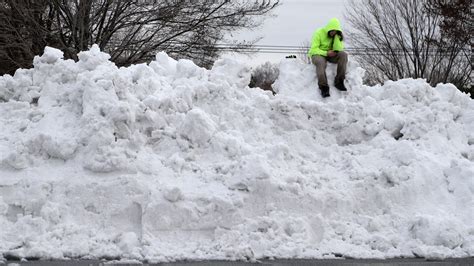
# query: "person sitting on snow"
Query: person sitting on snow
327,45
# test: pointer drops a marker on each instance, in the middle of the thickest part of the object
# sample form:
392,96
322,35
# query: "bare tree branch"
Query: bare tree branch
410,40
130,31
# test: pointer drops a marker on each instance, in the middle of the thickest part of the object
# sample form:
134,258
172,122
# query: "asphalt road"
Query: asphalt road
348,262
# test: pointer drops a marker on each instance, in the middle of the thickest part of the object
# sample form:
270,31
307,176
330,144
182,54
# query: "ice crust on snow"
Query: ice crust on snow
169,161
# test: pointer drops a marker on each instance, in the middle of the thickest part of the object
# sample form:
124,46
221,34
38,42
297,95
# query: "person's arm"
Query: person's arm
338,43
315,46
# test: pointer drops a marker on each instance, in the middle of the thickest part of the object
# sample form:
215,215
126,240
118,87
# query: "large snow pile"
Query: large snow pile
169,161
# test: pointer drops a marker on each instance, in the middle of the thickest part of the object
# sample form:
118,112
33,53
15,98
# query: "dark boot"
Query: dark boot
340,85
324,91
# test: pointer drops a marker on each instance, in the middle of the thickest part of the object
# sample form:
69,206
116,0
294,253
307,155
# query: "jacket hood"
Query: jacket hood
333,24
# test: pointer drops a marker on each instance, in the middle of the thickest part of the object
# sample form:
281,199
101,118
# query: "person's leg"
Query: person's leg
320,62
341,60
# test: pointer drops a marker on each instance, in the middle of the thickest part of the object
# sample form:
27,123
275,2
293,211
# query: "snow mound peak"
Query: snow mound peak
168,161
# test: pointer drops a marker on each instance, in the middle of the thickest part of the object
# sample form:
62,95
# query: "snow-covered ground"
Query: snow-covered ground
169,161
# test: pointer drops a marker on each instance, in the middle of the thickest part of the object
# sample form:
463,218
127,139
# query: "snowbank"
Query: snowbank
169,161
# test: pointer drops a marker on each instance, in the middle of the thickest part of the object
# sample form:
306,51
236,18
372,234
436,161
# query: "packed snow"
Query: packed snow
169,161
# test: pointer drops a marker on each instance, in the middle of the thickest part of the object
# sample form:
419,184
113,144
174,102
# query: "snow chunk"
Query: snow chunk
50,56
129,244
93,58
439,232
187,69
173,194
164,65
198,127
231,71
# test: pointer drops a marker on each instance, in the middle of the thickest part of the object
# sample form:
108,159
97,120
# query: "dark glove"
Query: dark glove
340,35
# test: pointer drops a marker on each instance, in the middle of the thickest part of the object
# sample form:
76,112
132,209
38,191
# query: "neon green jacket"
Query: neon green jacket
321,42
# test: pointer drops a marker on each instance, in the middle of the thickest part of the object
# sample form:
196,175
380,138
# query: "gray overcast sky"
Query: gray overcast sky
293,24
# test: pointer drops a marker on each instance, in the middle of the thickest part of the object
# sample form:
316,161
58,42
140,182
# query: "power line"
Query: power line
293,49
285,49
303,49
299,50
